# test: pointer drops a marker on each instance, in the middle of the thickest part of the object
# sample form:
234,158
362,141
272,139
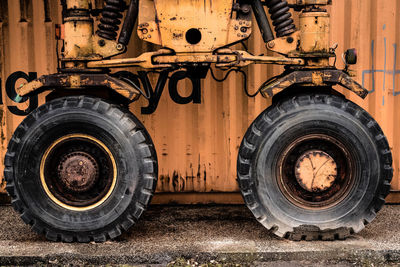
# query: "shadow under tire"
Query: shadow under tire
314,167
80,169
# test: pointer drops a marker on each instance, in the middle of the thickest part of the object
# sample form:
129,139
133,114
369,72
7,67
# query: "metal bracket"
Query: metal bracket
165,58
325,77
78,81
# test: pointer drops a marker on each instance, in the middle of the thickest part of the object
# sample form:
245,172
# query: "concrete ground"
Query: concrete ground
211,235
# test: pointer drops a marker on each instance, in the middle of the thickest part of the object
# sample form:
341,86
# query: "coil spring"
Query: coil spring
110,21
281,17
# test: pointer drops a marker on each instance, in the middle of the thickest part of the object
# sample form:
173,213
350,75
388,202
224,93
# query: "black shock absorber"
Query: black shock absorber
281,17
111,19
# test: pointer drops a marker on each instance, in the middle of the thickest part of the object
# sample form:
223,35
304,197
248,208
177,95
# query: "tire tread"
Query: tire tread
272,114
138,135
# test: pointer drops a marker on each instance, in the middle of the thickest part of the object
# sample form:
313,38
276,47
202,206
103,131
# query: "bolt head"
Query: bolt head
271,44
102,42
120,47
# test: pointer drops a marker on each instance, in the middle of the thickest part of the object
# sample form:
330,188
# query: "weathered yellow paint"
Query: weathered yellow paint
314,32
77,4
167,23
283,46
309,2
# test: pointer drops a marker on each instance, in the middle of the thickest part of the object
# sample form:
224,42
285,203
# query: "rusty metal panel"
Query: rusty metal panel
197,144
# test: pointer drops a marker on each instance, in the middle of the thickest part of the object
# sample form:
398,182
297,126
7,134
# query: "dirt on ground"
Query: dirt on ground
220,235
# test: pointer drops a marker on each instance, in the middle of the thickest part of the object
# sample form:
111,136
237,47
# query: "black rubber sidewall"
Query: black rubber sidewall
317,120
298,116
106,129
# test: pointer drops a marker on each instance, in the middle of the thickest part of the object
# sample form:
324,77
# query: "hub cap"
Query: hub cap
315,171
78,172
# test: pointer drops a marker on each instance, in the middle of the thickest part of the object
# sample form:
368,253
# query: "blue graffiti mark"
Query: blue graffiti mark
395,72
385,71
372,70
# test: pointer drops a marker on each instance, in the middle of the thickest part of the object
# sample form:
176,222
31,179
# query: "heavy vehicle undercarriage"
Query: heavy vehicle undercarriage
312,166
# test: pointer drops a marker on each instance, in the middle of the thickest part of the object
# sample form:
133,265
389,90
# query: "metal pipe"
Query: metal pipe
129,23
262,21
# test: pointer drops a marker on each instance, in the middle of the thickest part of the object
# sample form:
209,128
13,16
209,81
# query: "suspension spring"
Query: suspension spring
111,19
281,17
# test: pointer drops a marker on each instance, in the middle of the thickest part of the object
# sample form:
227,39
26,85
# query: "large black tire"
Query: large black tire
108,141
267,177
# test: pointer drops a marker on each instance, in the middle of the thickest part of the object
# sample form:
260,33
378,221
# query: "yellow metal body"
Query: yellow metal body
78,4
309,2
175,23
199,33
194,31
314,32
164,59
80,42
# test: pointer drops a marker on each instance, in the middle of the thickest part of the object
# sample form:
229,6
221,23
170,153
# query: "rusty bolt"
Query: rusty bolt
271,44
120,47
246,9
102,42
236,28
144,31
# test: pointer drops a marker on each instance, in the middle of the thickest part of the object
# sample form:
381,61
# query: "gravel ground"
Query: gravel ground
204,235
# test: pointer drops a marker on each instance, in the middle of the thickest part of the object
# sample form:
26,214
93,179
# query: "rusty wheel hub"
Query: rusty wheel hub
315,171
78,171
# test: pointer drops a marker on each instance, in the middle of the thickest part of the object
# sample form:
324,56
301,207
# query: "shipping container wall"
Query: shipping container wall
197,144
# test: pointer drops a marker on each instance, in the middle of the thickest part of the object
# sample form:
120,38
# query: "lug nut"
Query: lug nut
271,44
120,47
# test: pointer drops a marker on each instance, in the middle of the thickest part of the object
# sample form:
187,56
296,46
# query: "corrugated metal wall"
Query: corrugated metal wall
197,144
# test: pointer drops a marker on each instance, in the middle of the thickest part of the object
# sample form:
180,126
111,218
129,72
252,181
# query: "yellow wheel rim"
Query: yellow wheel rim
43,177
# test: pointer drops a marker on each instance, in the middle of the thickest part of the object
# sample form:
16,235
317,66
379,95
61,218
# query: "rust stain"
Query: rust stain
315,171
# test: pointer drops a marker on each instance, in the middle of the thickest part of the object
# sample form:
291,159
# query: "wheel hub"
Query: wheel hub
78,171
315,171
